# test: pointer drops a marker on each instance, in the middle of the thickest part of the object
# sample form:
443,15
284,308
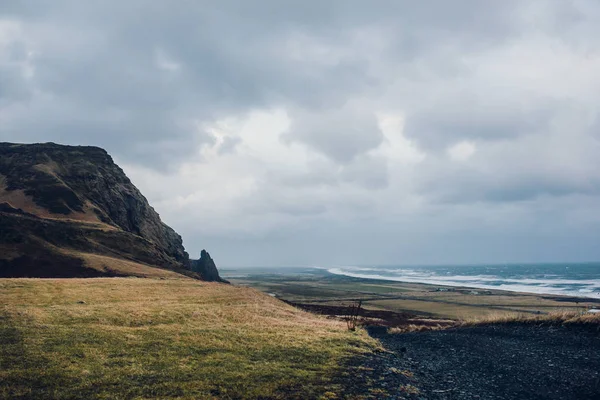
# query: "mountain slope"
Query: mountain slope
63,206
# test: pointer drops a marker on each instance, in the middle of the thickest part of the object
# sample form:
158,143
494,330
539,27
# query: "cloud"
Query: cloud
339,132
461,151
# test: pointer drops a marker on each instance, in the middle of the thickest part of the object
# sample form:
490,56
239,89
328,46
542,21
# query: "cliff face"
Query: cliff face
73,202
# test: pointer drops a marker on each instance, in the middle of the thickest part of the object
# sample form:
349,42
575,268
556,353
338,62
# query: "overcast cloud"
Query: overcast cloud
325,133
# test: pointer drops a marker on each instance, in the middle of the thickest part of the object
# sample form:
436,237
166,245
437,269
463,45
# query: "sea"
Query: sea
570,279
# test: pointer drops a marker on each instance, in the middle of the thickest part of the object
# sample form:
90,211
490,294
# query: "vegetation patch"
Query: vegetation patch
123,338
565,318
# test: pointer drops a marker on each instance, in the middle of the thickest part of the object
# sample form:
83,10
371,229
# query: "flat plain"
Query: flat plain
315,287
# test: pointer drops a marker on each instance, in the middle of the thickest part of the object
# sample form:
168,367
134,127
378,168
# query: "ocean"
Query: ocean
570,279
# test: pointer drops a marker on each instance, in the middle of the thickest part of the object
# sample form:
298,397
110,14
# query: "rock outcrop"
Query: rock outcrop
206,267
61,205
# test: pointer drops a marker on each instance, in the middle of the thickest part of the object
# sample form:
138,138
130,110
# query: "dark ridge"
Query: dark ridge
81,182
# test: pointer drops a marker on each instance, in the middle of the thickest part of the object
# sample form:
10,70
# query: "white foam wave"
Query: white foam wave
585,288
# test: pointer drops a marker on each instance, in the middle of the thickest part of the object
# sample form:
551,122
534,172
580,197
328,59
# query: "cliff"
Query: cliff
71,211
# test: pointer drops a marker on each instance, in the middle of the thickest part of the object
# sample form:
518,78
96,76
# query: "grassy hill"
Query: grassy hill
123,338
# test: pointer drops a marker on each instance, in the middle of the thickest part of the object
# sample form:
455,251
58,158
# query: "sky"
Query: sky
337,132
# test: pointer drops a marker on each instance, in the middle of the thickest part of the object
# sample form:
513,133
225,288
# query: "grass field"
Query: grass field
124,338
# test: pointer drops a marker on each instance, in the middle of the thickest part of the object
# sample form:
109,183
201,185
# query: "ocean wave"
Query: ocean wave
559,286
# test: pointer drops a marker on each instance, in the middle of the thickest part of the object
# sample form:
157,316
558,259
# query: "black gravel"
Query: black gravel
486,362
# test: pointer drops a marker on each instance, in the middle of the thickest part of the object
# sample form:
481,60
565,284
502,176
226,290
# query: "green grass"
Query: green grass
125,338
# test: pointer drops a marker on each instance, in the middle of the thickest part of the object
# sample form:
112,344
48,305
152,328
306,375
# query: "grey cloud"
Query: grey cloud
332,66
524,169
340,134
228,145
229,63
317,176
436,129
368,171
485,188
233,57
13,86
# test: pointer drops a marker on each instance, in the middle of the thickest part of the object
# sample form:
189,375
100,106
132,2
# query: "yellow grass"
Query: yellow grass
552,318
567,317
123,338
412,327
124,267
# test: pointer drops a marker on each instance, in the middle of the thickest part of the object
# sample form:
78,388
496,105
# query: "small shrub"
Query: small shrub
352,315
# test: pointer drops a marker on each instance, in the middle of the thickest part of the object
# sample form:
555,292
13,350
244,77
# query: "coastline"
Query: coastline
319,289
482,290
528,286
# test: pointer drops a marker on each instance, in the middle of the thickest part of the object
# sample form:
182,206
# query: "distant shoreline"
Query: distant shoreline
516,288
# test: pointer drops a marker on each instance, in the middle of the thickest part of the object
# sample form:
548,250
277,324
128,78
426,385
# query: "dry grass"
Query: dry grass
554,318
416,327
566,318
123,338
123,267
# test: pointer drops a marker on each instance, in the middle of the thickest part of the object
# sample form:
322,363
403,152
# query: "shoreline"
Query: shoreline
594,298
494,291
319,289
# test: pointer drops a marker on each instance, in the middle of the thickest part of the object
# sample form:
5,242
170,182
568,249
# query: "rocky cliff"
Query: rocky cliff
206,267
71,211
